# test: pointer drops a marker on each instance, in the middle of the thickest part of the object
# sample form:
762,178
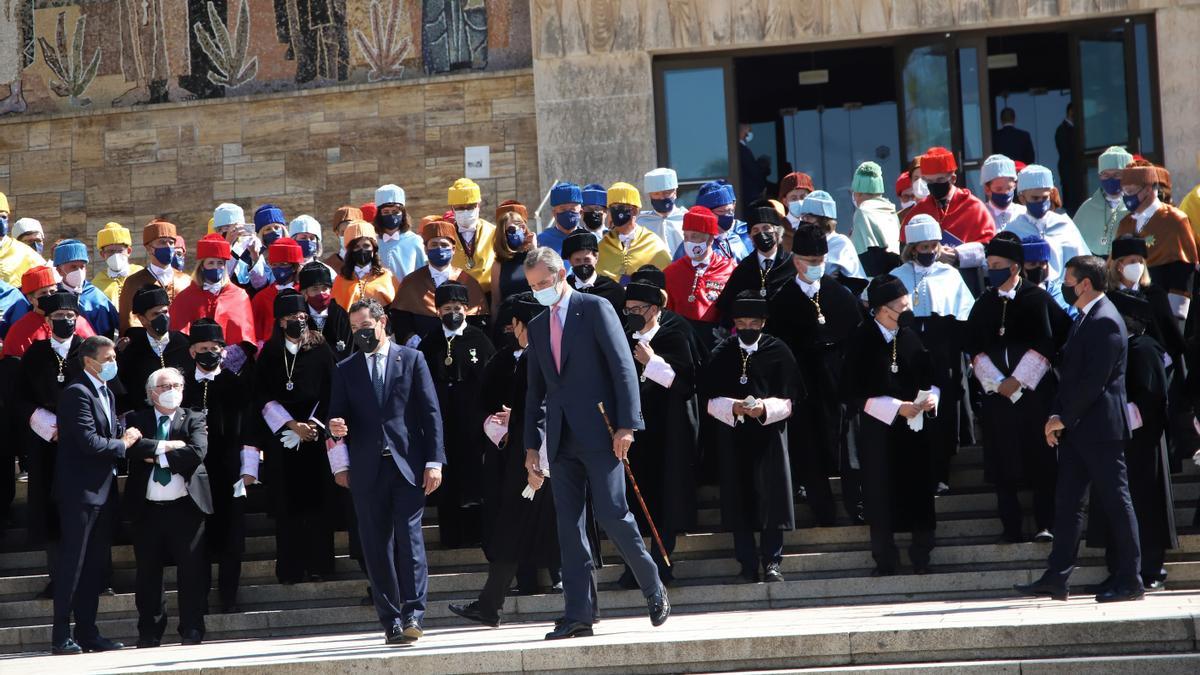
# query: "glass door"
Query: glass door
1103,110
697,140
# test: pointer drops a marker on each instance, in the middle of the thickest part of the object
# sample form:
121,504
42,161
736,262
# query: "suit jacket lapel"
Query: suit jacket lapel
392,372
570,327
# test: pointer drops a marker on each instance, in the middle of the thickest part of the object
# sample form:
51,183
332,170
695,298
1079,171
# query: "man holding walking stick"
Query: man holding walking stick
579,356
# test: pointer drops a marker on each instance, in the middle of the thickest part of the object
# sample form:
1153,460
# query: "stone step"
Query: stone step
1160,664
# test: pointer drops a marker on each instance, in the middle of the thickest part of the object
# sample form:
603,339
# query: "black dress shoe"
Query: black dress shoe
101,644
191,637
67,646
557,587
659,606
1099,588
1156,585
109,592
148,643
569,629
772,573
627,580
472,612
412,630
395,636
748,576
1121,594
1042,588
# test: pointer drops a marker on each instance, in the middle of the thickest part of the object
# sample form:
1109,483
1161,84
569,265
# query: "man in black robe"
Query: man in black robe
663,455
151,346
292,378
888,388
457,354
581,250
765,272
1146,452
814,316
223,397
324,312
748,386
1013,334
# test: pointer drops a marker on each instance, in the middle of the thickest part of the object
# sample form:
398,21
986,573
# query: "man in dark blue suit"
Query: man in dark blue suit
1008,140
1089,426
90,441
580,357
384,411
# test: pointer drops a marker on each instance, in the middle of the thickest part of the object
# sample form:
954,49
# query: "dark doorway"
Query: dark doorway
1030,74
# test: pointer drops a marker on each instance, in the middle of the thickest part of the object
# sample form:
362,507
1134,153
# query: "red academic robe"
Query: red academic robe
695,296
32,327
263,305
230,308
965,217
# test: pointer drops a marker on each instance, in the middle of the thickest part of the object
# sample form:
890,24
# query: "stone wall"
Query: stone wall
596,55
308,152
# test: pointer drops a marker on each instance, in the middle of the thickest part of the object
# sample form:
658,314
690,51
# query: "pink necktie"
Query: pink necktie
556,329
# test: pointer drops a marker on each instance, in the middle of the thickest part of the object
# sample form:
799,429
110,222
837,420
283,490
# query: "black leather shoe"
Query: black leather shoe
772,573
148,643
472,612
569,629
412,630
191,637
395,636
1156,585
101,644
627,580
748,576
659,607
1042,588
67,646
109,592
1121,594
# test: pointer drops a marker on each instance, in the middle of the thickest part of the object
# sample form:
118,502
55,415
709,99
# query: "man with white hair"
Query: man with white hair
167,498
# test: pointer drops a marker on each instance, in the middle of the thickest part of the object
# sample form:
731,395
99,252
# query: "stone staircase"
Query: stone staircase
824,567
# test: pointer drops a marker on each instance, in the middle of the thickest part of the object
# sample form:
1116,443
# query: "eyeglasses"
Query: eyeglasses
169,387
634,310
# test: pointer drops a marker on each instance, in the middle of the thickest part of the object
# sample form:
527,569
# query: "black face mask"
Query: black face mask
208,360
365,339
593,220
633,323
510,342
906,319
161,323
1070,294
62,328
939,190
1036,275
362,257
764,241
392,221
749,336
453,320
294,328
583,272
620,215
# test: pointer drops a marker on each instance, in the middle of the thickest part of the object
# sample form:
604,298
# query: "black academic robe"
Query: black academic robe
1013,443
943,338
10,428
137,360
39,387
515,529
336,331
755,476
1146,452
819,349
459,385
224,401
749,275
898,485
605,288
663,456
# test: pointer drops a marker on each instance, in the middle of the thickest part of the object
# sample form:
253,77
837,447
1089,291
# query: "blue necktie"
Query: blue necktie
162,476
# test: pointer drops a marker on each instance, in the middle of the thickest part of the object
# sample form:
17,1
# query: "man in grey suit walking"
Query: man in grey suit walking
580,357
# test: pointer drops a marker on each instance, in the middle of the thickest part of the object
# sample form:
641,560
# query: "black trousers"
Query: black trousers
170,531
769,549
226,553
887,556
82,566
1009,505
303,545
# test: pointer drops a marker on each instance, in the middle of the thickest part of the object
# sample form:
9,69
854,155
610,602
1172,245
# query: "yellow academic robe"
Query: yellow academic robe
15,259
619,263
112,287
382,287
480,267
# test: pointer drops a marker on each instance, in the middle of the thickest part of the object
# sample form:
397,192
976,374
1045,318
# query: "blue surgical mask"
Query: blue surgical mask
794,208
1111,186
515,239
440,257
1038,209
3,226
567,220
926,259
1131,201
177,261
308,247
213,275
282,275
997,278
271,237
621,215
1001,200
164,255
725,222
813,273
663,205
391,221
39,247
546,297
107,371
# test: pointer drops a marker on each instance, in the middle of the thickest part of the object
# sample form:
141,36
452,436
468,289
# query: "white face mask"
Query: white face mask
466,219
920,189
118,263
695,251
1133,272
170,399
74,279
908,204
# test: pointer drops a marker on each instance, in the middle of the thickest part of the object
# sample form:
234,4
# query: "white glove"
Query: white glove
1196,458
290,439
529,492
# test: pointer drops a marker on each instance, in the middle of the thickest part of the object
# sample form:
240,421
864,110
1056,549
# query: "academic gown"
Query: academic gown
1013,443
1172,254
414,311
138,360
755,475
515,529
750,276
459,386
604,287
815,430
965,217
39,388
336,329
663,455
262,307
32,327
898,487
94,306
1145,454
11,428
229,307
1165,330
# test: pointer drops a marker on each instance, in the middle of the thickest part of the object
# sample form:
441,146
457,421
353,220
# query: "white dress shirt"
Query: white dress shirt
177,487
158,346
656,370
1144,216
439,276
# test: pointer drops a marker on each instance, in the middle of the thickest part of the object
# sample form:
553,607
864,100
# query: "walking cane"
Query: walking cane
633,481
